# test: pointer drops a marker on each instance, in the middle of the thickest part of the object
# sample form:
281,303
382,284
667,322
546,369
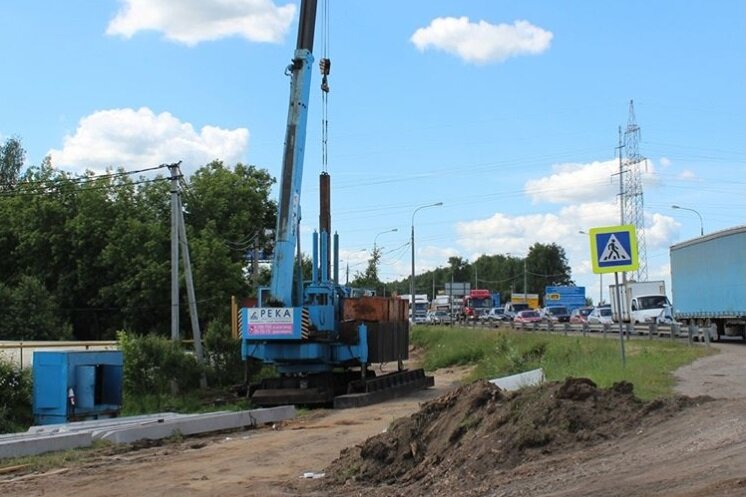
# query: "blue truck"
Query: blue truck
708,281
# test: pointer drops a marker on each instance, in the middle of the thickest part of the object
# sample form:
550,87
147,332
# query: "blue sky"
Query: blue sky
505,111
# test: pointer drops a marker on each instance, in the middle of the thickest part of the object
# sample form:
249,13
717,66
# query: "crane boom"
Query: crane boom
288,214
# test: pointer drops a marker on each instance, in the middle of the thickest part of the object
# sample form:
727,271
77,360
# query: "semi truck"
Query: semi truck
417,309
708,280
532,299
478,302
642,302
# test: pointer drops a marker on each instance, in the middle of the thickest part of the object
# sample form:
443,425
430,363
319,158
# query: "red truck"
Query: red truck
476,303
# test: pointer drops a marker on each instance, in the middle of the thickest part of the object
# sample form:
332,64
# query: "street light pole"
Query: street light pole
701,224
411,280
381,233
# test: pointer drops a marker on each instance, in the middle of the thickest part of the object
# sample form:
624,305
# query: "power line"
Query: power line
51,191
83,179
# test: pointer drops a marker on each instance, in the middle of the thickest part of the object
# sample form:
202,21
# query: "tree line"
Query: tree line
84,256
544,265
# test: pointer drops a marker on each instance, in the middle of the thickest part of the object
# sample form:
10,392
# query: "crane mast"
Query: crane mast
288,214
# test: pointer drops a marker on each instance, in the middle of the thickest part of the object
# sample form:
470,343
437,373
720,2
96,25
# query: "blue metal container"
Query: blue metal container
76,385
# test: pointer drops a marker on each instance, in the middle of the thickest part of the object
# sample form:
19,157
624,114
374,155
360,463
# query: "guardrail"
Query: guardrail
652,330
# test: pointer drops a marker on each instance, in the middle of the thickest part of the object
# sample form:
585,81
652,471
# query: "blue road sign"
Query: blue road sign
614,249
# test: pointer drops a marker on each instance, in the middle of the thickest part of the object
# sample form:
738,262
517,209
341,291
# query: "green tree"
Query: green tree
547,265
30,312
12,157
369,277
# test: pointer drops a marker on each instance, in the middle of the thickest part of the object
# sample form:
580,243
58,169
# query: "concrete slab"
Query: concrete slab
193,424
39,444
98,424
520,380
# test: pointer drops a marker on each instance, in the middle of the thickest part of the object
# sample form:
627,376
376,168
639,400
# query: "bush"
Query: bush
223,354
15,398
152,364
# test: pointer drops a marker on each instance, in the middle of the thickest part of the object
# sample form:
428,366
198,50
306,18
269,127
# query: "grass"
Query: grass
649,363
200,401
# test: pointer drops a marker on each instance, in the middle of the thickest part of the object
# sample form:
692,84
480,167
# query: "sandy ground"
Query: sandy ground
701,452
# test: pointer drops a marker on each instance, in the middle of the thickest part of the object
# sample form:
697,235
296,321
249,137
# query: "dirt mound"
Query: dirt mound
478,429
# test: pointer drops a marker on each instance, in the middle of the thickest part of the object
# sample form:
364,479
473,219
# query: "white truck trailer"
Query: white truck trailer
642,302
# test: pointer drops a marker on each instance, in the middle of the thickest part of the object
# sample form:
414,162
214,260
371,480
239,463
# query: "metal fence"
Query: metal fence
691,332
21,353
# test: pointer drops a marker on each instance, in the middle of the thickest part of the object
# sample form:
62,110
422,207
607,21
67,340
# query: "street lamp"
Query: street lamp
381,233
346,261
411,281
600,277
701,224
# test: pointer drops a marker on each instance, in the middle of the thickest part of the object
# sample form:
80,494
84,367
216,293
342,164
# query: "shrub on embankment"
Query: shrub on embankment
15,398
649,363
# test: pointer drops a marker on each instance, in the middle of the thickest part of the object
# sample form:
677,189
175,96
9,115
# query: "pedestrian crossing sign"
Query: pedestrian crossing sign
614,249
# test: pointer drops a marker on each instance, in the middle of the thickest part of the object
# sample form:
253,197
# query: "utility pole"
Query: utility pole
525,281
191,297
174,170
179,237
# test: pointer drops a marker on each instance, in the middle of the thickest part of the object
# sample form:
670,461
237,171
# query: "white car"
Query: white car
600,315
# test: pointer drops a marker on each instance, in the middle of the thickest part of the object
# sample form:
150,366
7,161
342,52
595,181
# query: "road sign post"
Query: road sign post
614,250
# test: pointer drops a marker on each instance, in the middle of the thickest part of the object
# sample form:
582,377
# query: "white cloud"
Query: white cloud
134,139
194,21
576,183
590,182
482,42
660,231
665,162
687,174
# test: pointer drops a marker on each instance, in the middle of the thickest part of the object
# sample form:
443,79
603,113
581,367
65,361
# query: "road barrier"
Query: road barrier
673,331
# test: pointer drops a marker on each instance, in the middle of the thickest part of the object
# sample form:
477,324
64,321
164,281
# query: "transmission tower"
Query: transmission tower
634,204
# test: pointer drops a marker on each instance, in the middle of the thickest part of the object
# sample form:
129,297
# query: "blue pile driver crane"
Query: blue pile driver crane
320,337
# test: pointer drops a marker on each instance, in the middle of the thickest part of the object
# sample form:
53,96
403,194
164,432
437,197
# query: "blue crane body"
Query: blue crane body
319,339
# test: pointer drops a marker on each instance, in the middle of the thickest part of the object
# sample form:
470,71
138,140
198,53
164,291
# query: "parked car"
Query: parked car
443,317
556,313
600,315
580,315
494,316
528,316
437,317
510,309
431,318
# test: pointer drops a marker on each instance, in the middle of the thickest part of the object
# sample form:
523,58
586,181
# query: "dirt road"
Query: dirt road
701,452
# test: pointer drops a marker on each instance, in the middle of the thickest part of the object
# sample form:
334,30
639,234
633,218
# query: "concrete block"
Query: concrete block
518,381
